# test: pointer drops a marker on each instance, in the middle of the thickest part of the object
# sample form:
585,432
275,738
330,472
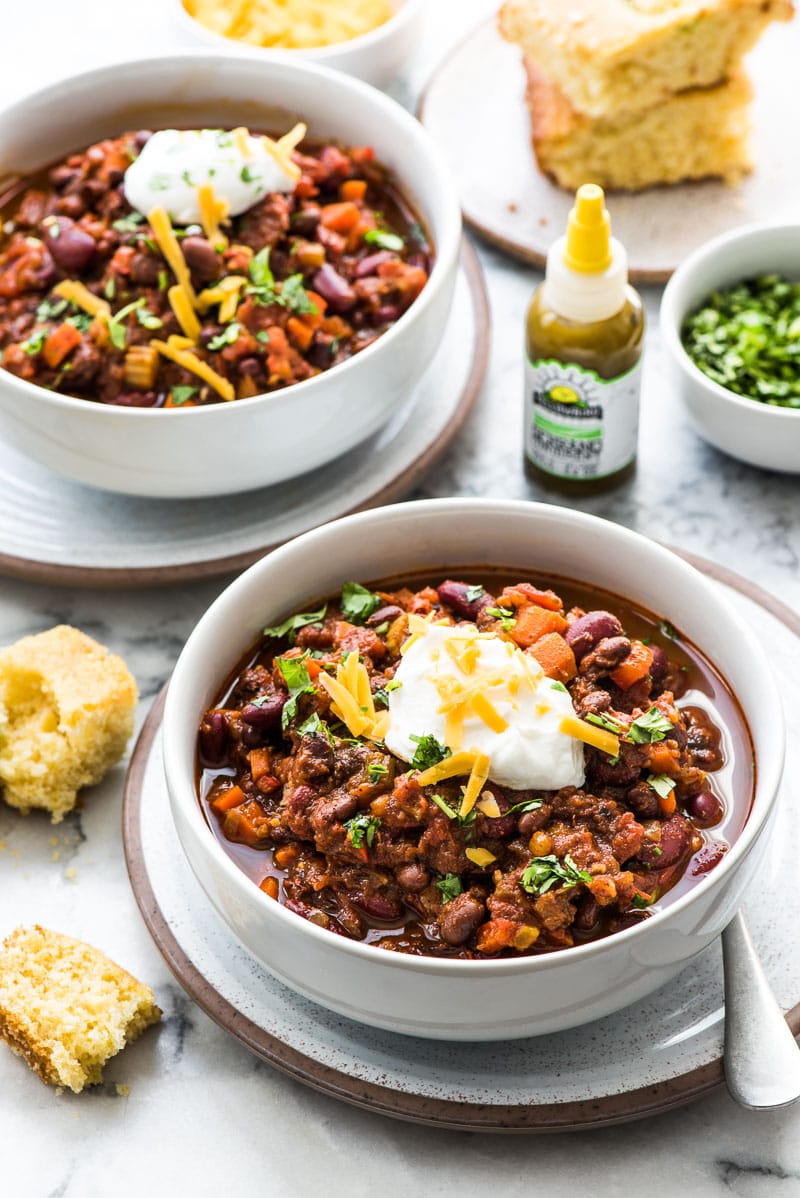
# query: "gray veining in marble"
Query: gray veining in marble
202,1115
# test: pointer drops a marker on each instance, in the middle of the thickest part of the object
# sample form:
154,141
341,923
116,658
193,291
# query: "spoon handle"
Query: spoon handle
762,1059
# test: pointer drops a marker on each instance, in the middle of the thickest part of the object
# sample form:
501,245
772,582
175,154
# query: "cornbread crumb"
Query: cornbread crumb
122,1090
696,134
66,1007
66,713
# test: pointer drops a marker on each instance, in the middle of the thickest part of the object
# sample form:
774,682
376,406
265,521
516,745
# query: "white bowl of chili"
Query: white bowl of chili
753,425
260,439
375,55
509,996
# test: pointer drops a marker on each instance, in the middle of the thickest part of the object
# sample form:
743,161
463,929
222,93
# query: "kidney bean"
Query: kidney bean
340,806
705,808
413,877
460,918
71,248
266,713
71,205
531,821
383,614
333,288
144,269
141,138
379,906
660,664
607,654
454,594
388,313
201,258
370,264
588,913
62,176
251,738
588,630
213,738
676,836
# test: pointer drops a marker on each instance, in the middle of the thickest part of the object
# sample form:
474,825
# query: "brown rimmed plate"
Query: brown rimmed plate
53,530
664,1052
474,109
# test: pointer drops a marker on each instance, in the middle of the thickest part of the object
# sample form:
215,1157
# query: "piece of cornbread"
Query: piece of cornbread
611,56
66,713
66,1007
695,134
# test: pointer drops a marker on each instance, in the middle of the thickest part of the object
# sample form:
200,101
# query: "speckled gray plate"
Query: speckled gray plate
54,530
663,1052
474,106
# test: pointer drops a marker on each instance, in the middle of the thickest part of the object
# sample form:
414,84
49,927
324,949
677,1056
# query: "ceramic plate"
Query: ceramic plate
54,530
474,106
664,1051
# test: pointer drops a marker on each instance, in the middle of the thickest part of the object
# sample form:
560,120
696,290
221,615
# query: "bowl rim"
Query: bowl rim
672,314
183,794
446,246
405,11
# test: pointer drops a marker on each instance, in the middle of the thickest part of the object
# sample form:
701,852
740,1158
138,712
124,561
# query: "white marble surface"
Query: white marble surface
202,1115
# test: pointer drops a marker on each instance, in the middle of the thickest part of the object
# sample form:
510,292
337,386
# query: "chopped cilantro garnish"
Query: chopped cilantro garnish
163,280
544,872
525,805
81,321
474,593
449,887
504,615
662,784
227,337
362,828
640,901
50,309
298,682
110,289
451,813
358,603
314,726
429,752
160,182
187,178
294,296
129,223
649,728
558,686
604,721
261,275
376,770
34,343
384,240
263,336
666,629
292,625
181,395
148,319
247,175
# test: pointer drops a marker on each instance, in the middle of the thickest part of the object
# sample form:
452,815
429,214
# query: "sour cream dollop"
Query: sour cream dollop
531,752
176,162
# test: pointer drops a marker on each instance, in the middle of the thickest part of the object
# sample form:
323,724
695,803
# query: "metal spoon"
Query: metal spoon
761,1056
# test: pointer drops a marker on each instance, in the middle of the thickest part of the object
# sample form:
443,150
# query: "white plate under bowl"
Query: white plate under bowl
54,530
664,1051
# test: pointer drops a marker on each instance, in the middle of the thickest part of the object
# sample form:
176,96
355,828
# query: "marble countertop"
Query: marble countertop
199,1109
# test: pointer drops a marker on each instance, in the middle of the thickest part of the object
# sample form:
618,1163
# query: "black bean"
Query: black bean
588,630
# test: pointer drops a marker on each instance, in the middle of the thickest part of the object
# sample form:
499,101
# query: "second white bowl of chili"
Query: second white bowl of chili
442,978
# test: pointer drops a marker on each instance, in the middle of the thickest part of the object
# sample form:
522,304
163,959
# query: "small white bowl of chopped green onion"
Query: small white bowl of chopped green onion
730,321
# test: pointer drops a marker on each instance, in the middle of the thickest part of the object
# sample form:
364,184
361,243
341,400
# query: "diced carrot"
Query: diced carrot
314,668
362,154
379,805
496,935
286,856
356,235
341,218
534,622
229,798
270,886
319,303
260,761
548,599
661,759
169,402
246,824
635,666
353,189
60,342
555,657
667,803
300,333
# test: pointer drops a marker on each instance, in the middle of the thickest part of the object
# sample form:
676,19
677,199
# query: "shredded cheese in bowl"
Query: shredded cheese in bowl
290,24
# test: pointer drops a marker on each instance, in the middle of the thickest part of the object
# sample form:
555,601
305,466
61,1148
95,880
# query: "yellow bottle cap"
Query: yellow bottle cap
588,248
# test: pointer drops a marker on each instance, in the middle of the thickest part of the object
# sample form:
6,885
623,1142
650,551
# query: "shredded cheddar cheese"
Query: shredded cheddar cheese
167,242
80,295
212,211
184,313
176,350
240,136
598,738
458,763
489,806
481,857
477,780
352,699
486,711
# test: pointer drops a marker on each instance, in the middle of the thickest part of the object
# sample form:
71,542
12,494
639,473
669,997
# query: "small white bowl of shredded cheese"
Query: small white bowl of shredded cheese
371,39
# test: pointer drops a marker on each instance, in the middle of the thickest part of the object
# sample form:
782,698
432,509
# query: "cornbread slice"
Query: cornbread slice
66,1007
608,56
66,713
696,134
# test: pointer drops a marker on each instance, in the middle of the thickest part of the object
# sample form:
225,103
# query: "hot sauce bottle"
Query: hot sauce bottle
584,339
